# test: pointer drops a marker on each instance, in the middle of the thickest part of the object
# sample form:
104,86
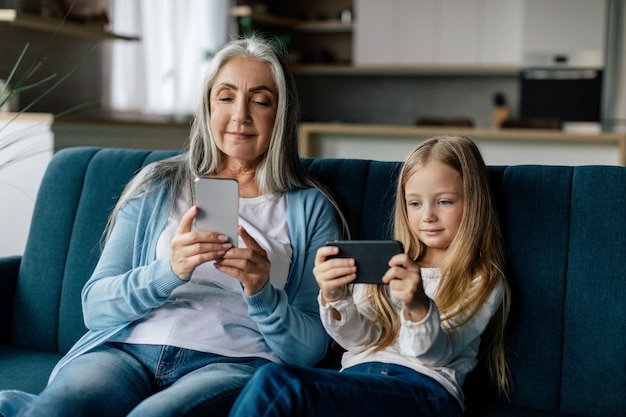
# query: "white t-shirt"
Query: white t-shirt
208,313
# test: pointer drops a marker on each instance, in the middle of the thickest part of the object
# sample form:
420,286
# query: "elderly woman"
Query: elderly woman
179,319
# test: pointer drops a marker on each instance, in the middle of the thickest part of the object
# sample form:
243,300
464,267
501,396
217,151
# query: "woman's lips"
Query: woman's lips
240,135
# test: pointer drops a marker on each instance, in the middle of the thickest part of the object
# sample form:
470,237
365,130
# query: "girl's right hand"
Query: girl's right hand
191,248
332,275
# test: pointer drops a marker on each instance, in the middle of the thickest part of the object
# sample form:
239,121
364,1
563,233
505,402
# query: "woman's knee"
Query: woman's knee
12,402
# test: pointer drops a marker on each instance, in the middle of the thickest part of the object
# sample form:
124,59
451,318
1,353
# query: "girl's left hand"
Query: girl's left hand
249,265
405,285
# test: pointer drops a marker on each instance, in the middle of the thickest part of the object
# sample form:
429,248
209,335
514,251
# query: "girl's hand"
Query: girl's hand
249,265
332,275
405,285
191,248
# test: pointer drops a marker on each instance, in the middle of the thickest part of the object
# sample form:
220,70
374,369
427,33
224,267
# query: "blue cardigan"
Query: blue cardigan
129,282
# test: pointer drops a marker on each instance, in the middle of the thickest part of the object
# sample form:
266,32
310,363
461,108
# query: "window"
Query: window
163,73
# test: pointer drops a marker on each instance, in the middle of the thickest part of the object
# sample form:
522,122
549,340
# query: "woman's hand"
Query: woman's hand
191,248
332,275
405,285
250,265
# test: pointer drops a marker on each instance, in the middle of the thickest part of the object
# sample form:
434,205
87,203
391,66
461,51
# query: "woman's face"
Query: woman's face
434,201
243,104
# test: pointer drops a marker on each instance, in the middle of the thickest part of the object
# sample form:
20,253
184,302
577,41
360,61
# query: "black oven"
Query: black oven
564,94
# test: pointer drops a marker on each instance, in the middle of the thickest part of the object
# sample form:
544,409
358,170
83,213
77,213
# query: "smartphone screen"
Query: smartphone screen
218,203
371,257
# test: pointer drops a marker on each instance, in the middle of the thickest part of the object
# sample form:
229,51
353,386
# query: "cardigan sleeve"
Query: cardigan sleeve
289,318
125,285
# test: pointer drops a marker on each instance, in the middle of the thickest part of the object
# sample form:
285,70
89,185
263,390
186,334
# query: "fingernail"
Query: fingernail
223,238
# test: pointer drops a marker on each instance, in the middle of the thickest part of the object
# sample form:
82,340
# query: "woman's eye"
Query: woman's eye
261,101
224,98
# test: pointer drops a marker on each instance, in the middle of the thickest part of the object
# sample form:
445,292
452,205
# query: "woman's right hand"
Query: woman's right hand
191,248
332,275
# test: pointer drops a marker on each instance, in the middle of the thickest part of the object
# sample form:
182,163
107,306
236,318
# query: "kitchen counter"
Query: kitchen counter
337,140
499,146
121,130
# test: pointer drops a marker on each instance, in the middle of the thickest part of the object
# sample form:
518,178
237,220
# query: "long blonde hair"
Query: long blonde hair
476,251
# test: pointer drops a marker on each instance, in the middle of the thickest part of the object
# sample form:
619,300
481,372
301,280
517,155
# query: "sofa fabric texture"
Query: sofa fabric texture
565,233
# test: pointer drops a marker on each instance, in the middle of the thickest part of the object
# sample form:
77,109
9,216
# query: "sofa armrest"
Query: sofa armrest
9,268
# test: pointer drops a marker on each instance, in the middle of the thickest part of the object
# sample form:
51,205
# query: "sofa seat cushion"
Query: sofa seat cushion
25,369
504,410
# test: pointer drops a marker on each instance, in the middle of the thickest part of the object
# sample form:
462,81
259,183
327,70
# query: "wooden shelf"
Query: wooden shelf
33,22
319,26
421,70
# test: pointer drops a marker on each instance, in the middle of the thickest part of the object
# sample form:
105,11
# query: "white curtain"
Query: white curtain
163,73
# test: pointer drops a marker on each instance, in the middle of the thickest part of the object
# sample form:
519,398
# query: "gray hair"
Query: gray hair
280,170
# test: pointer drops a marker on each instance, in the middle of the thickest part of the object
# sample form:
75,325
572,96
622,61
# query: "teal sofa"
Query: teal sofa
565,230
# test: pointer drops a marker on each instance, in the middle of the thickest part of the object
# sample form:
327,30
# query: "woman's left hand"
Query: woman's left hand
405,285
249,265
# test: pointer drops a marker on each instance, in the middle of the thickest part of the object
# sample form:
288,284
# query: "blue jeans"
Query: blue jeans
370,389
144,380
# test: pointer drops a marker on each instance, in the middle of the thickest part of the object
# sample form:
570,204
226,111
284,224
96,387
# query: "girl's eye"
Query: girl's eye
445,202
414,204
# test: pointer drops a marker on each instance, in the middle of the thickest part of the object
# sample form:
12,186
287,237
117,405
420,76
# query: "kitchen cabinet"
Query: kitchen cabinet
500,32
394,32
564,32
437,32
426,37
480,32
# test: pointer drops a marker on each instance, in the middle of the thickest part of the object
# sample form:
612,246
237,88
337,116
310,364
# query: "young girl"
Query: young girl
409,344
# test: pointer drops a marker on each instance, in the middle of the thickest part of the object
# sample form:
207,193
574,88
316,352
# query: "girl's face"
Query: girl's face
434,200
243,104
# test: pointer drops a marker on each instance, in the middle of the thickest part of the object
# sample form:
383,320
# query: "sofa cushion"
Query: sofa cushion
25,369
365,190
536,221
595,301
78,190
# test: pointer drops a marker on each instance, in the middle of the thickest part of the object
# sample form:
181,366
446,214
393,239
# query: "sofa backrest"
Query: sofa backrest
565,232
78,191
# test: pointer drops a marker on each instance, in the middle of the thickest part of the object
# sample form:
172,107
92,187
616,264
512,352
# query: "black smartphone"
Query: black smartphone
218,201
371,257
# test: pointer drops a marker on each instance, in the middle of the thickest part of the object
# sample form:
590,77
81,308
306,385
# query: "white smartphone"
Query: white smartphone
218,203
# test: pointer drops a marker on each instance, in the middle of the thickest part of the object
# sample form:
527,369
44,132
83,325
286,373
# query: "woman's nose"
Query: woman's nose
241,112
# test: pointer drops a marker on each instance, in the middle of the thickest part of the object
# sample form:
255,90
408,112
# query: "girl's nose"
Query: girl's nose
429,215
